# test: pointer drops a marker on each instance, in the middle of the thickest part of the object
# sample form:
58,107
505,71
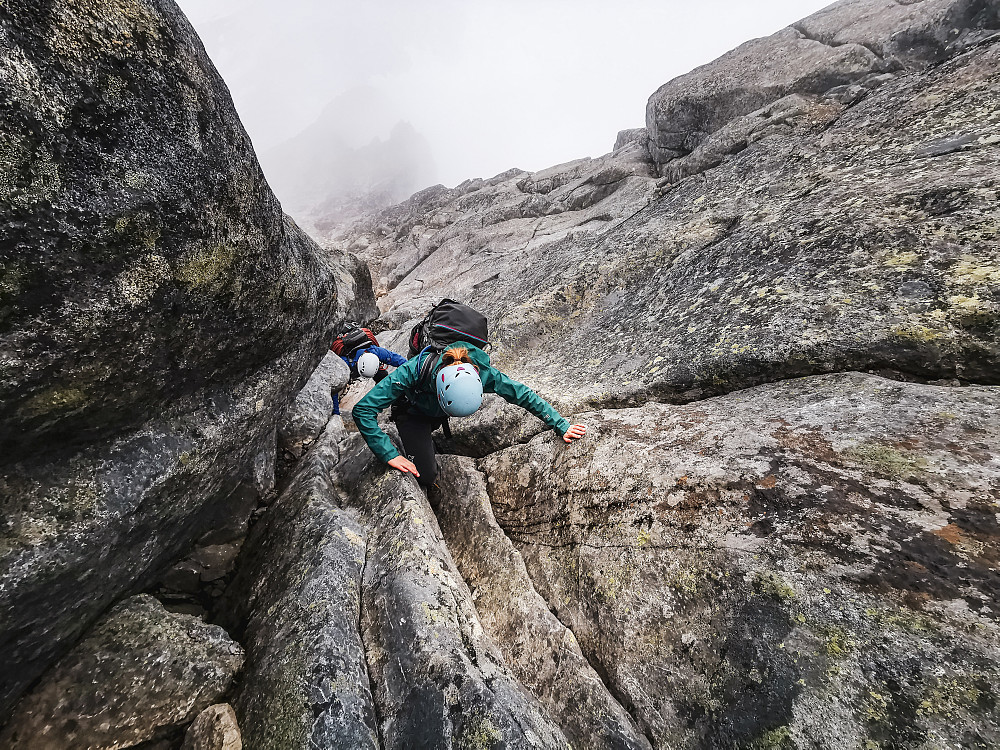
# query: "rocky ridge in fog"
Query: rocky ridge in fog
778,320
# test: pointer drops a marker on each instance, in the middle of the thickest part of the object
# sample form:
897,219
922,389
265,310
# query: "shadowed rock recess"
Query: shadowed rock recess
775,308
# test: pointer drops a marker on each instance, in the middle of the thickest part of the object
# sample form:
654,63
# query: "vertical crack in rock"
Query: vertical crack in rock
542,652
299,590
363,636
800,27
437,678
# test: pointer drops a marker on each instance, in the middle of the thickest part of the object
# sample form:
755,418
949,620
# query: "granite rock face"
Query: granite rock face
474,232
781,530
306,683
140,234
846,43
809,563
437,678
157,313
828,237
140,672
776,310
359,630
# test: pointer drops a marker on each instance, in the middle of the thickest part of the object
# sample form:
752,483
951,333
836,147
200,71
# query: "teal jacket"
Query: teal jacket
403,382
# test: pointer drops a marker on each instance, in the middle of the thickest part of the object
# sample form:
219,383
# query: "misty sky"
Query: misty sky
492,84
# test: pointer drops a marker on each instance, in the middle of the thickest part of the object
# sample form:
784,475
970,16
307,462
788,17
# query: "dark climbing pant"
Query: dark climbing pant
418,445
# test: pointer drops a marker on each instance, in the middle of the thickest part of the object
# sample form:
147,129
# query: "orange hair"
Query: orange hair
455,355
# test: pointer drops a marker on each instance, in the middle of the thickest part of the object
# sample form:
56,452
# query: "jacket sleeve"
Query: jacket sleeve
387,357
378,399
518,393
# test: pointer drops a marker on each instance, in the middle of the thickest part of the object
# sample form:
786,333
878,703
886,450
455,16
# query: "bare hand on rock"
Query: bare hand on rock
574,432
405,465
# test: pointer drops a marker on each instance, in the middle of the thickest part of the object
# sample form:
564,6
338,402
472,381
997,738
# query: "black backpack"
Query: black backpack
447,322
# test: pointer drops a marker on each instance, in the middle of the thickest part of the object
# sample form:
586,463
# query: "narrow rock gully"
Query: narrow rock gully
711,574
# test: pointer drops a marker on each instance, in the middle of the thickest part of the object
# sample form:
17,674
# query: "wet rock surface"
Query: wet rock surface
139,673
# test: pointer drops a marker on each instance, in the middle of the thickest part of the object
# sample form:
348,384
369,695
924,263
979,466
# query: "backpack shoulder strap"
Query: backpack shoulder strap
428,359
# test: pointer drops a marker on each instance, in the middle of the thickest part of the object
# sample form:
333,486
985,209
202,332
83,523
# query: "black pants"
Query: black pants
418,445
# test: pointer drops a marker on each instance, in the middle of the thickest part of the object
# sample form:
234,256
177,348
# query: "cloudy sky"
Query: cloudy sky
491,84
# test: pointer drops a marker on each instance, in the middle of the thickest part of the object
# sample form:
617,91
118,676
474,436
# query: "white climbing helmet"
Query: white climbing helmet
368,364
459,390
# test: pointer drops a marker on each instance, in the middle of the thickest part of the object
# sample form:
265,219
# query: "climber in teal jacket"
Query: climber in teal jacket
418,409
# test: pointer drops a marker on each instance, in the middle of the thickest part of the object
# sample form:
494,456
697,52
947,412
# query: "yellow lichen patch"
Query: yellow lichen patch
902,259
951,696
885,460
971,270
972,310
16,156
478,734
773,585
837,642
206,268
54,400
917,332
433,615
11,277
139,283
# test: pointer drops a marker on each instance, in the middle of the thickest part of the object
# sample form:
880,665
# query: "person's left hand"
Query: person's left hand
575,432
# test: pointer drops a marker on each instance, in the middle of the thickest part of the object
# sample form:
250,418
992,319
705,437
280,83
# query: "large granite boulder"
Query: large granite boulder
846,43
157,313
138,674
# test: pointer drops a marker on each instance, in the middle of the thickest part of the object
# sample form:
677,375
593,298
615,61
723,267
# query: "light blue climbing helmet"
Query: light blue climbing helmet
459,389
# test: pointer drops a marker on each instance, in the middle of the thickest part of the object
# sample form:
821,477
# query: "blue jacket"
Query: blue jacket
384,356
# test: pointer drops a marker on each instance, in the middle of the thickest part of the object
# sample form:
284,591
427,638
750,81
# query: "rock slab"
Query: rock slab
214,729
806,561
138,674
297,599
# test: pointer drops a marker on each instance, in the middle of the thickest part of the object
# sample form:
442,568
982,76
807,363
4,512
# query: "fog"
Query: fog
490,84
